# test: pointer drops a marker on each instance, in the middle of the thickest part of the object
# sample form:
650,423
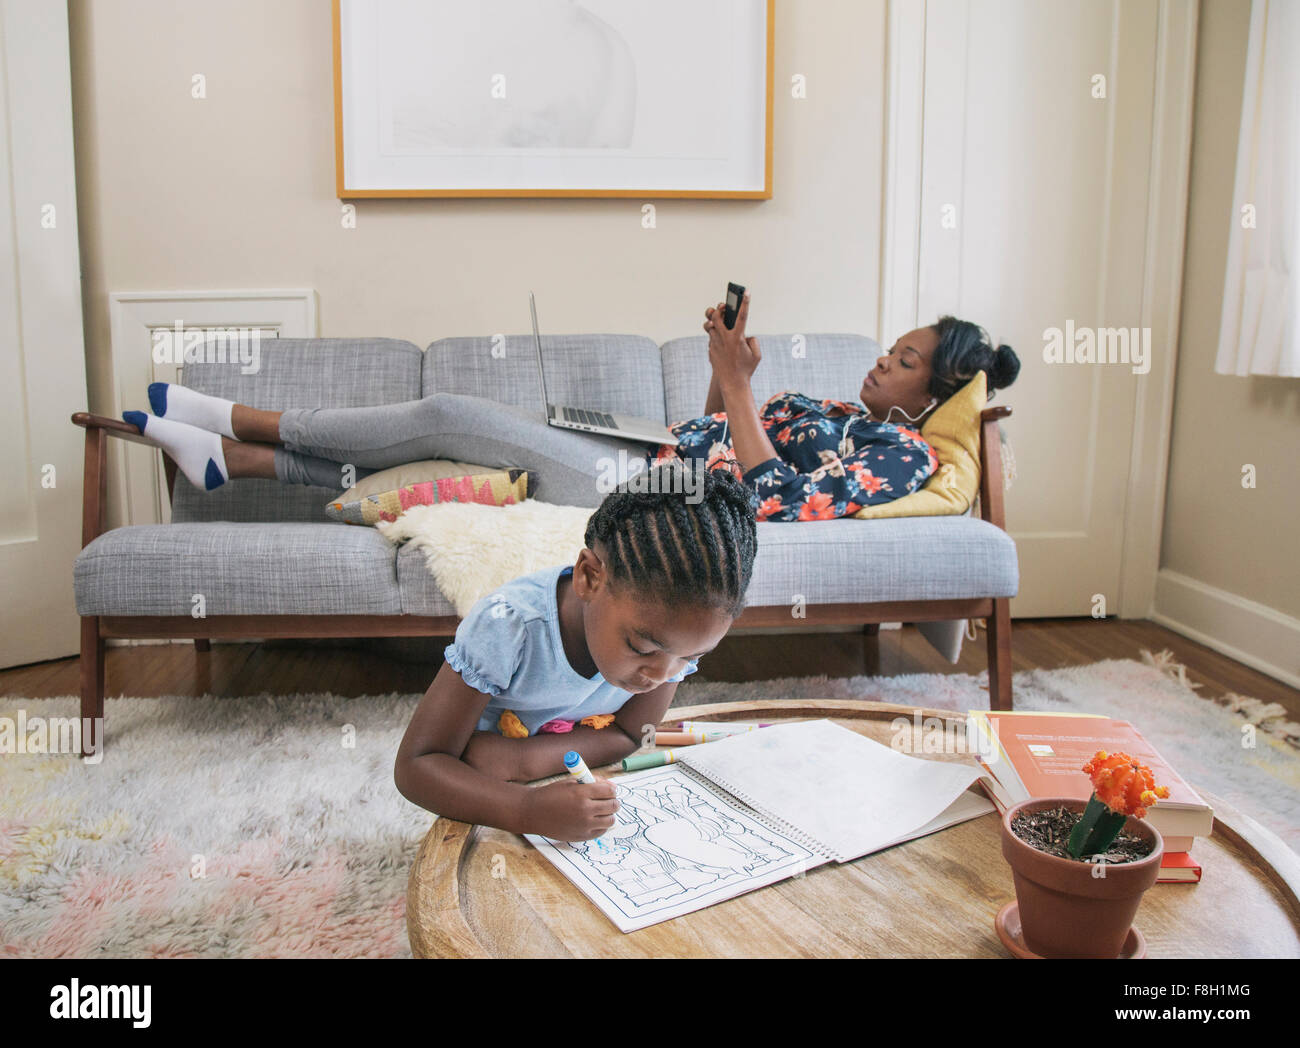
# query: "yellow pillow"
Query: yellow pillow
954,433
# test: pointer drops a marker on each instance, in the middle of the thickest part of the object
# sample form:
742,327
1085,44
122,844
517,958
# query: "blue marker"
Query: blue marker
577,767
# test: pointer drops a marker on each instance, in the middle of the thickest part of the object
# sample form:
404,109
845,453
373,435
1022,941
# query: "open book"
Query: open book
754,809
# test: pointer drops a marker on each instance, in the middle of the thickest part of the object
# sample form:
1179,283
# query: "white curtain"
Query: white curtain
1258,334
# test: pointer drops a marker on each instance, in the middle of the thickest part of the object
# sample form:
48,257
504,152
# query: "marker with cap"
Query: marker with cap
577,767
679,738
722,727
641,761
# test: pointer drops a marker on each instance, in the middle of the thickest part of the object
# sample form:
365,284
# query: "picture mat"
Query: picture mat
699,125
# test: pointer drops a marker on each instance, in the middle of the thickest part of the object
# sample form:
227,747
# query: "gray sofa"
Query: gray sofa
268,563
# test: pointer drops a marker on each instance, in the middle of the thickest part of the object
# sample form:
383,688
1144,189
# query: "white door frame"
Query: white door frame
41,317
1170,158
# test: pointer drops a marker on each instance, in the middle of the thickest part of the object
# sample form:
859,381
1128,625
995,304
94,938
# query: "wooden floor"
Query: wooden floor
407,665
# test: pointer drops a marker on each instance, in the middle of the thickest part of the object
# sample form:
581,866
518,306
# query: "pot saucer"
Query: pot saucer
1007,923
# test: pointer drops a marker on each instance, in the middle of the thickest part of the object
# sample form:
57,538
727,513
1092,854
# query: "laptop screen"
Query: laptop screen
537,341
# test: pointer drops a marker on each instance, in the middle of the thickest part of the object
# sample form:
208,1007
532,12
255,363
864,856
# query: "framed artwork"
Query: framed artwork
533,98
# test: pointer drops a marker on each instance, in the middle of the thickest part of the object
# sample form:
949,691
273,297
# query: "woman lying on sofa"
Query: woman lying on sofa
805,459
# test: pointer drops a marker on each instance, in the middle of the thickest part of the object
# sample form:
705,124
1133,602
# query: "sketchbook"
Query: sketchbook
744,812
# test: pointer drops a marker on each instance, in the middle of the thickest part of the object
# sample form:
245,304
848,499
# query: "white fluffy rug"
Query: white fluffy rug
250,827
471,549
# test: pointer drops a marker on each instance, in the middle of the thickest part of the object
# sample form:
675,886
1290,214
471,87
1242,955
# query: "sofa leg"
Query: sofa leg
999,655
202,644
871,649
92,686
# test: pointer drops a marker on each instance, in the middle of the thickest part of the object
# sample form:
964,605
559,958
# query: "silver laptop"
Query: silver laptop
627,427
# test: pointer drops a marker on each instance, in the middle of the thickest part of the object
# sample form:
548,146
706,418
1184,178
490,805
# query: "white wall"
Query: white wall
237,190
1233,544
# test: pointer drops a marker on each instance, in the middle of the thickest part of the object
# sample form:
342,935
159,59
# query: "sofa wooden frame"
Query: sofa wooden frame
96,629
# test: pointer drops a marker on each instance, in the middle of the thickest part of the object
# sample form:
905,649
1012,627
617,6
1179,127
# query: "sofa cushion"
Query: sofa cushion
850,561
616,373
833,562
296,373
240,569
821,366
420,594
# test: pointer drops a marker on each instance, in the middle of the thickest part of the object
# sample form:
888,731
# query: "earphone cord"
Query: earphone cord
904,413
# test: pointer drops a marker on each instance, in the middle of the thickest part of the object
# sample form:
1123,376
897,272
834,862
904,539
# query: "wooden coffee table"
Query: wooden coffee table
475,891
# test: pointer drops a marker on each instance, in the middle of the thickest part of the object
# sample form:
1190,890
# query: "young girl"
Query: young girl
602,643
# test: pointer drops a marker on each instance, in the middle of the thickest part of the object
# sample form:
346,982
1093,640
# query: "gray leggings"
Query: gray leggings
568,467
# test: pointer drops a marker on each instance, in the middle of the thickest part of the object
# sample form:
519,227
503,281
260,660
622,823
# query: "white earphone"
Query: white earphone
903,411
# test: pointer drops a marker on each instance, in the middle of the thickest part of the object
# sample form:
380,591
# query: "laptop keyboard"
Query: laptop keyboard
589,418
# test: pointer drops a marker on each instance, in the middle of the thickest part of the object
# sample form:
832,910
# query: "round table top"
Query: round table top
475,891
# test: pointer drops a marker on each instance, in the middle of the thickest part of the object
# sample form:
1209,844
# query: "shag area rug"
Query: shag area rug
269,826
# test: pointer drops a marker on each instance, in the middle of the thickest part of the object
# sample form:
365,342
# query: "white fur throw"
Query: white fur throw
472,549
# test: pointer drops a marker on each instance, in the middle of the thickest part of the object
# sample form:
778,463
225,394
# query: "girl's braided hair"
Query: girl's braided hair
679,552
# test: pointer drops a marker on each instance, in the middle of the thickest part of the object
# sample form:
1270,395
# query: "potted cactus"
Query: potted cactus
1080,869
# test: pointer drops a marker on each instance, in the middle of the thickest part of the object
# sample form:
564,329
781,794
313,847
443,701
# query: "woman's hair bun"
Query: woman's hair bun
964,350
1006,366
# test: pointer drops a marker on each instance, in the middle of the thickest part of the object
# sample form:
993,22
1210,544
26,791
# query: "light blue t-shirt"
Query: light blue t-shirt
509,647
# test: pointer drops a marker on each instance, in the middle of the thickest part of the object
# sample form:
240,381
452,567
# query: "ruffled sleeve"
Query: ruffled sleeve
488,646
690,668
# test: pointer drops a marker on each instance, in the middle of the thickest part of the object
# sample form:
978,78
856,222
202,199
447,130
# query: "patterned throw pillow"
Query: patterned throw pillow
389,493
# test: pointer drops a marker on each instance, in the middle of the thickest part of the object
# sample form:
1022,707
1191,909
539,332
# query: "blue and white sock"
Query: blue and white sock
178,404
196,451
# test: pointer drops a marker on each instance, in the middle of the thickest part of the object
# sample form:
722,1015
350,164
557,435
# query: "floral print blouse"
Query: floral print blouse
833,459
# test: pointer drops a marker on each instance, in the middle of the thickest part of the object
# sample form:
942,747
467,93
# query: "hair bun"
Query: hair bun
1006,366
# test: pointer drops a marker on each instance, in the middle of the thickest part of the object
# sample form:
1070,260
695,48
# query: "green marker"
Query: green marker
641,761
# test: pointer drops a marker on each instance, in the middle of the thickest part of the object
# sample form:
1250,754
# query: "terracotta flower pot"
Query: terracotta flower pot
1066,909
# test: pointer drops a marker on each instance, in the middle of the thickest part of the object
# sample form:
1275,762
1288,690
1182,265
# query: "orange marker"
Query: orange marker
678,738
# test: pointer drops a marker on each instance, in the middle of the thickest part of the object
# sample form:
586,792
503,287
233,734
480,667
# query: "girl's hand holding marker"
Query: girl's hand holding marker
578,808
581,774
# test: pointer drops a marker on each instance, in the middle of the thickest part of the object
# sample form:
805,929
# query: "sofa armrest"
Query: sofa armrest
95,482
113,426
991,508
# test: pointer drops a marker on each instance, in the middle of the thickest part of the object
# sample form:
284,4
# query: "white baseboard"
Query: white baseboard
1254,634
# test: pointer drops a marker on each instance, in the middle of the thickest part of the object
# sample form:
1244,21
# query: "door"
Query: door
1033,126
42,366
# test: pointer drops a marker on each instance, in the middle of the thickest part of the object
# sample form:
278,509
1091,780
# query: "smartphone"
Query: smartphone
735,295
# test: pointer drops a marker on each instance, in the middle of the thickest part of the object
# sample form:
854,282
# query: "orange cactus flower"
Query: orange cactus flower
1122,784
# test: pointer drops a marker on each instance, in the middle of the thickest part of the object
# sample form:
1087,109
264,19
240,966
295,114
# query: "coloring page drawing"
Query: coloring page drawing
675,846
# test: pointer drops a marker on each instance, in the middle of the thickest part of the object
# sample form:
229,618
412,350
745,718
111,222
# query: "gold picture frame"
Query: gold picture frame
365,169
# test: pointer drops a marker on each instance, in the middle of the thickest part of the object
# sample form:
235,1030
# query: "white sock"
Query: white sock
178,404
196,451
